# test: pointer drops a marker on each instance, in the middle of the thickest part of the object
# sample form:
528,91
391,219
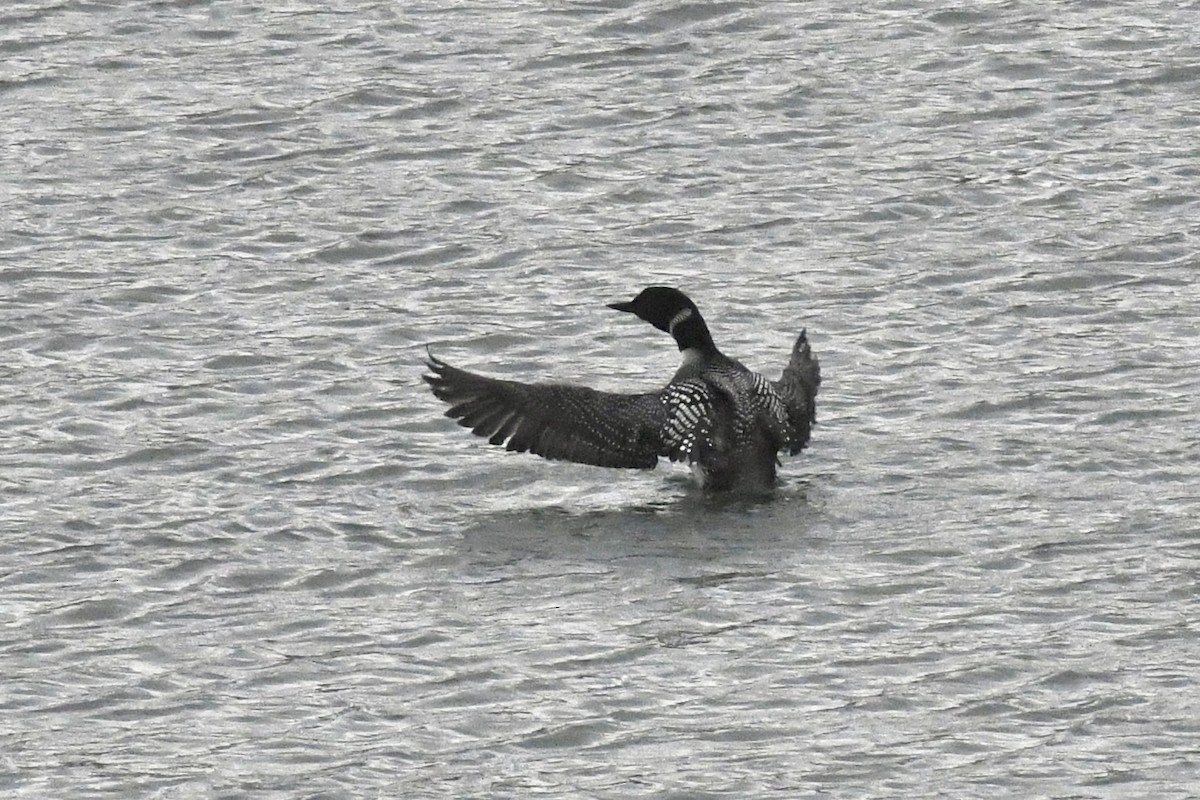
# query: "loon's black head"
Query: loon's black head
670,310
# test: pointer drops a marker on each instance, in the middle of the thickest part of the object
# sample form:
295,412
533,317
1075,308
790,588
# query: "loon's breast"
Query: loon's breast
744,466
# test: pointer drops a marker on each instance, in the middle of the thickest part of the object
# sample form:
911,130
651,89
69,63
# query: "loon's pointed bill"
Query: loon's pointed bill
726,422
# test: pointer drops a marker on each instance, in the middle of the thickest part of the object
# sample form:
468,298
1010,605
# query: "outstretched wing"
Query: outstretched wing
798,388
571,423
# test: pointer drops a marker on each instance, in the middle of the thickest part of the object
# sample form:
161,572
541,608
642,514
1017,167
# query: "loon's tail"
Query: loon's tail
798,387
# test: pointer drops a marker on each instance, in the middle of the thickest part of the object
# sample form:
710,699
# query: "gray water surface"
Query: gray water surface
243,554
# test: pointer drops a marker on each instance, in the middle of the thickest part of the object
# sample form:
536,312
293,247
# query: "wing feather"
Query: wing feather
555,421
798,389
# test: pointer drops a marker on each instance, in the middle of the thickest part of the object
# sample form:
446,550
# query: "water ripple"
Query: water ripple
246,554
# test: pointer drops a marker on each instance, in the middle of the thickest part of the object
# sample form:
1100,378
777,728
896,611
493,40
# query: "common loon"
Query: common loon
727,422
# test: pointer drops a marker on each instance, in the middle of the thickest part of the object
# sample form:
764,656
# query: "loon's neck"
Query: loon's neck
691,333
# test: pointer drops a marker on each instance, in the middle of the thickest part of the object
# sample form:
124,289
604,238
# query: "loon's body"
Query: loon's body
727,422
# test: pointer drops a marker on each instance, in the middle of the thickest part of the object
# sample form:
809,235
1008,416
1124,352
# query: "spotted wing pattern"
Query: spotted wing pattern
768,410
690,426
